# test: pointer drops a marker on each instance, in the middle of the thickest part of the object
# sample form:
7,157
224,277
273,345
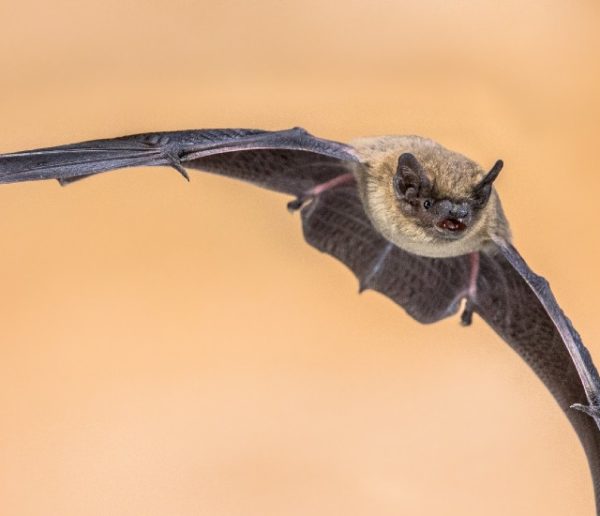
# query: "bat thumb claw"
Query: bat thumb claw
296,204
175,163
587,409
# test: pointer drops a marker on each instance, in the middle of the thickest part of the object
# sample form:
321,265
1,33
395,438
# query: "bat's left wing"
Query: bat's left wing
514,301
519,305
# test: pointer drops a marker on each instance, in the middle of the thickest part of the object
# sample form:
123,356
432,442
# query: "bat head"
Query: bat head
433,204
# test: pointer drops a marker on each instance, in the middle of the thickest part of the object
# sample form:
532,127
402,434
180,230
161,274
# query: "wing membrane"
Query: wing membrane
429,289
520,307
280,160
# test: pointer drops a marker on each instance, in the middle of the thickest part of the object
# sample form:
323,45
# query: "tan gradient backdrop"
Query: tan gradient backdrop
175,349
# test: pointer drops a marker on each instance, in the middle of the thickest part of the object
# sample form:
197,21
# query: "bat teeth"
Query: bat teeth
453,225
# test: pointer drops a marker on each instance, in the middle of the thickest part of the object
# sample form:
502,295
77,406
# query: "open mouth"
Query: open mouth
452,225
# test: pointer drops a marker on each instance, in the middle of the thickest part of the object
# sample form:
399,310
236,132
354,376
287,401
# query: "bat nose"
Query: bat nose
459,211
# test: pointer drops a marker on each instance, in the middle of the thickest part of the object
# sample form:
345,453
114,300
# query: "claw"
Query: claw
587,409
297,203
466,318
176,164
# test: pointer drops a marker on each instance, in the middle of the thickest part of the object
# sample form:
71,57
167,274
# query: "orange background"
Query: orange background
175,349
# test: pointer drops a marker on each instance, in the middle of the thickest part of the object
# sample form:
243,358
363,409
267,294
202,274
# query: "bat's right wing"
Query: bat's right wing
290,161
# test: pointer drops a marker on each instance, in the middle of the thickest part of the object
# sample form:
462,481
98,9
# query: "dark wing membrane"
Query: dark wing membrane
429,289
520,307
285,161
515,302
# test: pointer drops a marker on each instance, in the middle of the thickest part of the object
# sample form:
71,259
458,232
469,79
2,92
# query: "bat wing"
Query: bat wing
514,301
520,307
290,161
429,289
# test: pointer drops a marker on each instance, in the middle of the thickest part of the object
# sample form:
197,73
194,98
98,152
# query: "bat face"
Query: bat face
429,200
447,217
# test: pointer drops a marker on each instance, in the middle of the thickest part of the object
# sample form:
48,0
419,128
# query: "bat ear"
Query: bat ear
492,174
410,180
484,188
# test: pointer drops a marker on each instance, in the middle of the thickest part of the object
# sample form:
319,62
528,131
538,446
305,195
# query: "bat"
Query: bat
412,220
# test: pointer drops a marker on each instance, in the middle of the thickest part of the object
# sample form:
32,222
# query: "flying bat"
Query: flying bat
414,221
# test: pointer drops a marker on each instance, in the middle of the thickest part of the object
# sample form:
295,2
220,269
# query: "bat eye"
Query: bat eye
427,203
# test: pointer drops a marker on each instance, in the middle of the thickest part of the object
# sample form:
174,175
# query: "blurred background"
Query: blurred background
173,348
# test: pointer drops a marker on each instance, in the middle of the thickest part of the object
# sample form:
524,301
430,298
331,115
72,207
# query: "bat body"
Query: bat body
412,220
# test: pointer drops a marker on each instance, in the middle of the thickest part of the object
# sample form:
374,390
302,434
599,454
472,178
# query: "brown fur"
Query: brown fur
453,176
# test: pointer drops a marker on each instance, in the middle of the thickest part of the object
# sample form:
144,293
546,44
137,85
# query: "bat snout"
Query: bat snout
459,211
453,218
